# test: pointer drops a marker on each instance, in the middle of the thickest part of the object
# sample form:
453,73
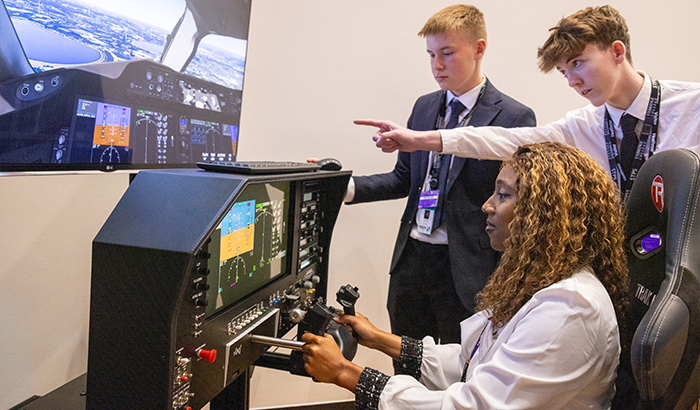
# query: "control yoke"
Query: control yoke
318,320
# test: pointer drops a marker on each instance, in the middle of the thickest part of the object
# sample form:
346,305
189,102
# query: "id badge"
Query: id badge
429,199
426,211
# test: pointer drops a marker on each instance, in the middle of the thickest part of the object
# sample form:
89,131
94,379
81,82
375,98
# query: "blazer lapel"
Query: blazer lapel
427,122
457,165
423,165
432,112
488,107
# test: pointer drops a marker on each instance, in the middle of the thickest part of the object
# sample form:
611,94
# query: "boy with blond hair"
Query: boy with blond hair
442,256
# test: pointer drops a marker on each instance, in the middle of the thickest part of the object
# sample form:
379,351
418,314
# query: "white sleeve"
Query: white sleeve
350,191
441,365
560,351
497,143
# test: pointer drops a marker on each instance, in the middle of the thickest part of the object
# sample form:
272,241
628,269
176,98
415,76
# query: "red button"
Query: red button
208,355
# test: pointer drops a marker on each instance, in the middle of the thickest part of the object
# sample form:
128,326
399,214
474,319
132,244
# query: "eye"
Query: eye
576,63
502,196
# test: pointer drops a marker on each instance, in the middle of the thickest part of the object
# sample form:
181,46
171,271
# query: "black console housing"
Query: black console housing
189,265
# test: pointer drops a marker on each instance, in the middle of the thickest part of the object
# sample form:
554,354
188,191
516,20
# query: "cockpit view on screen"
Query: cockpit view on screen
88,84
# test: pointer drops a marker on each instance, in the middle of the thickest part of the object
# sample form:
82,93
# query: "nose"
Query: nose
487,207
438,63
573,79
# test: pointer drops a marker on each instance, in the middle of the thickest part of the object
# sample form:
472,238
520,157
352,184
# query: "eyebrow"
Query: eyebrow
574,57
558,68
500,183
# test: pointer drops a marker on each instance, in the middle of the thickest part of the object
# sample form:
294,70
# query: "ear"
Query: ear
619,51
480,48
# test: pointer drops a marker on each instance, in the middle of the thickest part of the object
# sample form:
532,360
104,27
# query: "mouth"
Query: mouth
585,92
489,226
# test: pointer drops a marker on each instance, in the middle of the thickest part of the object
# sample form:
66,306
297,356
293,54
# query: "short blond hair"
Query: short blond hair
461,17
601,26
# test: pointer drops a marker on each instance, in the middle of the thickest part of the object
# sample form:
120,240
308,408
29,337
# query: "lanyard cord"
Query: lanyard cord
649,136
471,356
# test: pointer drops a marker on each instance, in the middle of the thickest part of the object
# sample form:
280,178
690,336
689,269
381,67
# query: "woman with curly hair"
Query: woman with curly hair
546,335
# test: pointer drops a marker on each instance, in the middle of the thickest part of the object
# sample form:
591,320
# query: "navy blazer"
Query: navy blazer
471,183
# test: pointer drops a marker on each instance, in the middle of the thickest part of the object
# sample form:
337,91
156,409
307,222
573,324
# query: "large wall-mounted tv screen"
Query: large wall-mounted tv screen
129,84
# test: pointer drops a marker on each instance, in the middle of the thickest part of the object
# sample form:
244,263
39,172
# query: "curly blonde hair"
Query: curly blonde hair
567,216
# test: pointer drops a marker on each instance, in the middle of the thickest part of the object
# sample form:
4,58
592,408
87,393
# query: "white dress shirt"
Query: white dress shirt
679,127
560,351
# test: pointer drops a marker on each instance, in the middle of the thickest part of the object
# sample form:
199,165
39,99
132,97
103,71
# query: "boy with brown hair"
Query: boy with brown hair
630,117
442,256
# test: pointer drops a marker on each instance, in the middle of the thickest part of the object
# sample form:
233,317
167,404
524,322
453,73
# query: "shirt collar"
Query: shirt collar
638,108
468,99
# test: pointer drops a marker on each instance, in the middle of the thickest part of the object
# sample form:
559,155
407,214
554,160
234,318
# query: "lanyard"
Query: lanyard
471,356
649,136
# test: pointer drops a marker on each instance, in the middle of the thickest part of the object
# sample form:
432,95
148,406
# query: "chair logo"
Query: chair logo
657,193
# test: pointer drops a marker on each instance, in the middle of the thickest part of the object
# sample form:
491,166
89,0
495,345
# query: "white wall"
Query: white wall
313,67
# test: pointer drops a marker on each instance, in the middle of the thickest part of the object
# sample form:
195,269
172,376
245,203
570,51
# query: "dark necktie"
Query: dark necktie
628,146
456,108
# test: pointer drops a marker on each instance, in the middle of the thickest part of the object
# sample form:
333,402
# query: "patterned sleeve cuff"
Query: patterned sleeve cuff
369,388
411,357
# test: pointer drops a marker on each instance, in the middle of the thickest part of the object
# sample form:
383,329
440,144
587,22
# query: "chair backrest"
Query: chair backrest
663,336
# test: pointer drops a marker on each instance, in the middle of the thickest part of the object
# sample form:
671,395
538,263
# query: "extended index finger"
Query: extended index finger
372,123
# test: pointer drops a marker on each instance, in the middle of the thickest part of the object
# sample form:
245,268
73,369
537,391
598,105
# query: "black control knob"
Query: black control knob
203,270
203,254
201,302
201,286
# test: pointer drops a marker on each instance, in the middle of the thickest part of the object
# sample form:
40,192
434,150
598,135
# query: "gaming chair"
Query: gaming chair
662,346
